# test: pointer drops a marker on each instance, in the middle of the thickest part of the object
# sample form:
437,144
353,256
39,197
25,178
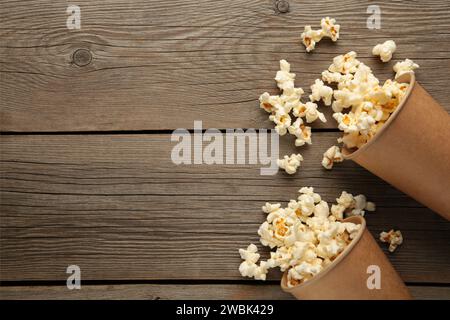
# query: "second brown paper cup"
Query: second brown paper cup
347,277
412,149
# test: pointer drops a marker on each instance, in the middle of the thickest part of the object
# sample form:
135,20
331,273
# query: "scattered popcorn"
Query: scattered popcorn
394,238
331,77
250,254
290,163
330,28
321,92
404,66
305,237
312,114
310,37
301,132
282,119
331,156
384,50
345,64
351,205
284,78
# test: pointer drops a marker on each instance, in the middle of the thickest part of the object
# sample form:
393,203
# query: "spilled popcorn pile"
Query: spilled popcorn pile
307,235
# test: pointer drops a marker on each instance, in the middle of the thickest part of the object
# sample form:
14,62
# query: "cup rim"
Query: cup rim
355,219
408,77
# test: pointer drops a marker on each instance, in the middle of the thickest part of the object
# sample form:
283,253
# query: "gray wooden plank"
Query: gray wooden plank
180,292
203,60
120,209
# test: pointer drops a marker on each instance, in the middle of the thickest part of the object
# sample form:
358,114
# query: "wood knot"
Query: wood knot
282,6
82,57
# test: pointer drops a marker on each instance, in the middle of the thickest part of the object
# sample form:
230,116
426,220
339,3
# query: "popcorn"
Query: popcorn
282,120
345,64
337,77
250,254
331,156
304,236
290,163
284,78
359,90
269,103
404,66
321,92
330,28
351,205
269,208
310,37
385,50
302,132
370,206
394,238
312,114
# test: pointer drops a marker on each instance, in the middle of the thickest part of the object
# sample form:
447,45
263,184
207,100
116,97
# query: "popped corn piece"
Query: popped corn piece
312,114
330,28
267,102
260,272
370,206
337,210
345,64
284,78
385,50
346,122
310,192
282,120
337,77
250,254
404,66
301,132
321,92
269,207
359,205
247,269
331,156
267,236
394,238
345,199
344,98
299,110
290,163
321,209
310,37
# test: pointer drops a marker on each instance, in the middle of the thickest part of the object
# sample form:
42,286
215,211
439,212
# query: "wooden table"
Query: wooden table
86,120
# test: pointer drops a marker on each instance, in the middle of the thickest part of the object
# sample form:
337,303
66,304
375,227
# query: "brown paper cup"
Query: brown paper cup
412,150
347,277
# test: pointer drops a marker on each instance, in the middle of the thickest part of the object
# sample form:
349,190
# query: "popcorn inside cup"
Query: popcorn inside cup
361,103
306,236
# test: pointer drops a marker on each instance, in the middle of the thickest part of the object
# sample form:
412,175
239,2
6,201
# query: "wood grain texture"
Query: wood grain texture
120,209
197,60
180,292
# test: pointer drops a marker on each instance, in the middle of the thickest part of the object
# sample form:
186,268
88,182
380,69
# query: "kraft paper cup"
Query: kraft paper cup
412,149
346,278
